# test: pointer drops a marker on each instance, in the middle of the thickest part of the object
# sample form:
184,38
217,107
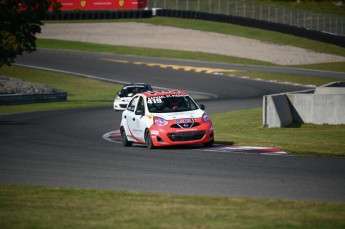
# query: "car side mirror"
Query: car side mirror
139,112
202,106
119,93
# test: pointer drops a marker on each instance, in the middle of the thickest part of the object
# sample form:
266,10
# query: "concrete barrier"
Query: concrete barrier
331,88
324,105
318,108
277,111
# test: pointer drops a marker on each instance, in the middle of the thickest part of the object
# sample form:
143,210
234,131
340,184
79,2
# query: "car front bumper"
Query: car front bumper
120,106
182,136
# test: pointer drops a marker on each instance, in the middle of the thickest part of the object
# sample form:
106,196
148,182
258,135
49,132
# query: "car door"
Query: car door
135,119
128,116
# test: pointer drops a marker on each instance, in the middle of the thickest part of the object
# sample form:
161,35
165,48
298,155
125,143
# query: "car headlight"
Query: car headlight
205,117
158,121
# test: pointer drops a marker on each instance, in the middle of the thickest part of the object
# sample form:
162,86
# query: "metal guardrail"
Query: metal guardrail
15,99
325,23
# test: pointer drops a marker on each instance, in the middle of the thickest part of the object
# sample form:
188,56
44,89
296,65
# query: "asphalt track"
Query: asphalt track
66,148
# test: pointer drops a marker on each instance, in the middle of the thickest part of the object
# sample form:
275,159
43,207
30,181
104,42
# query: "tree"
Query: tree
20,20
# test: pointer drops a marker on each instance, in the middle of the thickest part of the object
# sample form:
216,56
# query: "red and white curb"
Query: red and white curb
245,149
115,136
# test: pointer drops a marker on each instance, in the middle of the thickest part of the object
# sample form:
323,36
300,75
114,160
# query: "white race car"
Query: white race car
128,91
165,118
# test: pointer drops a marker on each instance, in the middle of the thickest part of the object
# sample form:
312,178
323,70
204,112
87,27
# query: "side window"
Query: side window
141,105
191,104
131,105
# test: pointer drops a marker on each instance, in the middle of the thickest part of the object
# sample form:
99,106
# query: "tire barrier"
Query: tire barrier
97,15
277,27
15,99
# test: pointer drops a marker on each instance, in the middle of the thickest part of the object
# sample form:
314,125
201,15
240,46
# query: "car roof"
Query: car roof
136,85
163,93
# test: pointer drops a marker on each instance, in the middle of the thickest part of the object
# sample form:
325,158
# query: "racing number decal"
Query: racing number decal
154,100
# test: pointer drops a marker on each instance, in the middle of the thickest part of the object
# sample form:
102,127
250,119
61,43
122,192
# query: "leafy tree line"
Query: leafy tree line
20,20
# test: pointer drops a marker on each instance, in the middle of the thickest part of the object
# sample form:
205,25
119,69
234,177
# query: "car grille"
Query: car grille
123,105
185,125
186,136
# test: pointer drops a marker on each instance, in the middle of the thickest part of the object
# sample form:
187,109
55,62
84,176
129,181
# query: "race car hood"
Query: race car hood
181,115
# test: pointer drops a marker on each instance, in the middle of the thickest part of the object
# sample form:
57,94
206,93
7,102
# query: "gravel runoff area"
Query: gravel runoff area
164,37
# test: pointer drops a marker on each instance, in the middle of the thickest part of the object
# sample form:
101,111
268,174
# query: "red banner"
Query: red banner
102,4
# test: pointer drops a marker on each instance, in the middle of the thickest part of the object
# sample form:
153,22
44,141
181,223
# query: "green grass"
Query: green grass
245,128
82,92
316,81
43,207
336,67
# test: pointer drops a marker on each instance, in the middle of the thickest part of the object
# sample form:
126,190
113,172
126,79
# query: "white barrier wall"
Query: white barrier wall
325,106
277,112
318,108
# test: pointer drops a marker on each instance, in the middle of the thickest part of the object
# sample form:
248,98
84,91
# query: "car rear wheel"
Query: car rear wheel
148,140
208,144
124,139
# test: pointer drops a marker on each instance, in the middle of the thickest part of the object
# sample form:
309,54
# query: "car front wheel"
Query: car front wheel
148,140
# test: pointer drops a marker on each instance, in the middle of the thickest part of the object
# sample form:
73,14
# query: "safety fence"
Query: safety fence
278,27
259,11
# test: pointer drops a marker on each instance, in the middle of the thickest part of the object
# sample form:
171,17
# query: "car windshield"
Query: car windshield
170,103
130,91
